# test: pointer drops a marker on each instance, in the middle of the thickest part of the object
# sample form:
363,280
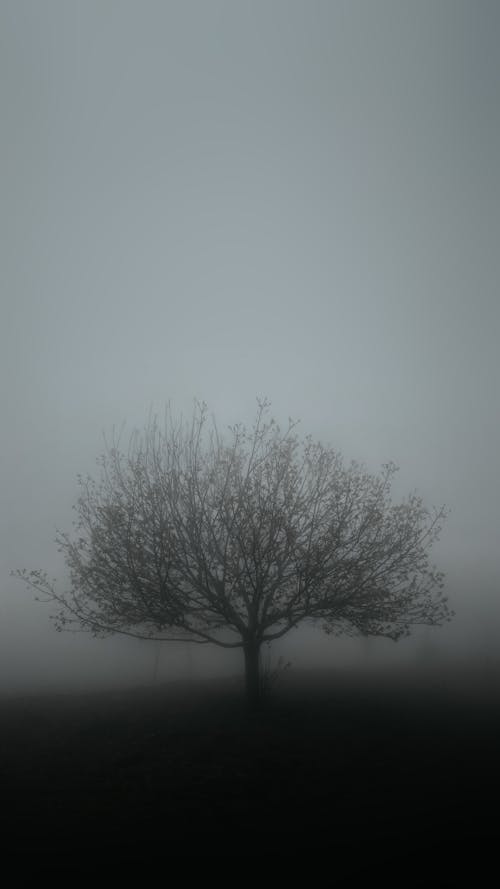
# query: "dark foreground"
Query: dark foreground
367,775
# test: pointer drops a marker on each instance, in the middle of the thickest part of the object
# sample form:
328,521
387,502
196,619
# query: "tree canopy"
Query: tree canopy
235,539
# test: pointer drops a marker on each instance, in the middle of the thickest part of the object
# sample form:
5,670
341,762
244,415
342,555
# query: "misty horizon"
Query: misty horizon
218,201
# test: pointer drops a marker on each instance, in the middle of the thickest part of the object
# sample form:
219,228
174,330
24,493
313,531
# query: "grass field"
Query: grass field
334,765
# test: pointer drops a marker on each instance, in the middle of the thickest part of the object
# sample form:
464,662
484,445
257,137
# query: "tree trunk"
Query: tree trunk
251,651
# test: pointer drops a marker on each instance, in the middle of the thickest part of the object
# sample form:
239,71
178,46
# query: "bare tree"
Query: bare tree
234,541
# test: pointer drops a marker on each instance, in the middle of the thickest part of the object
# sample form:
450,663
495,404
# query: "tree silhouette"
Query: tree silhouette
234,541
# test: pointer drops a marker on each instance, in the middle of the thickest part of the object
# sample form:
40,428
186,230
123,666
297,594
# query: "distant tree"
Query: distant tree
191,536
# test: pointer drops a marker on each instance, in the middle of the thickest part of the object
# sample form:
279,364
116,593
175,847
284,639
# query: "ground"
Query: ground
337,767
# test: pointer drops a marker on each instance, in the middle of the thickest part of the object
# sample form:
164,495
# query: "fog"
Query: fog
224,200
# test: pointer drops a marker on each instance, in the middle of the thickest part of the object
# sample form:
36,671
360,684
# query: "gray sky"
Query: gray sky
230,199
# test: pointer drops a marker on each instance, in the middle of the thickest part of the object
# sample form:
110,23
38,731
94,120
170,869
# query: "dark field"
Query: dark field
332,769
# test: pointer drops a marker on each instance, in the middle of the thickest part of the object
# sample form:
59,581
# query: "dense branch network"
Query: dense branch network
189,536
